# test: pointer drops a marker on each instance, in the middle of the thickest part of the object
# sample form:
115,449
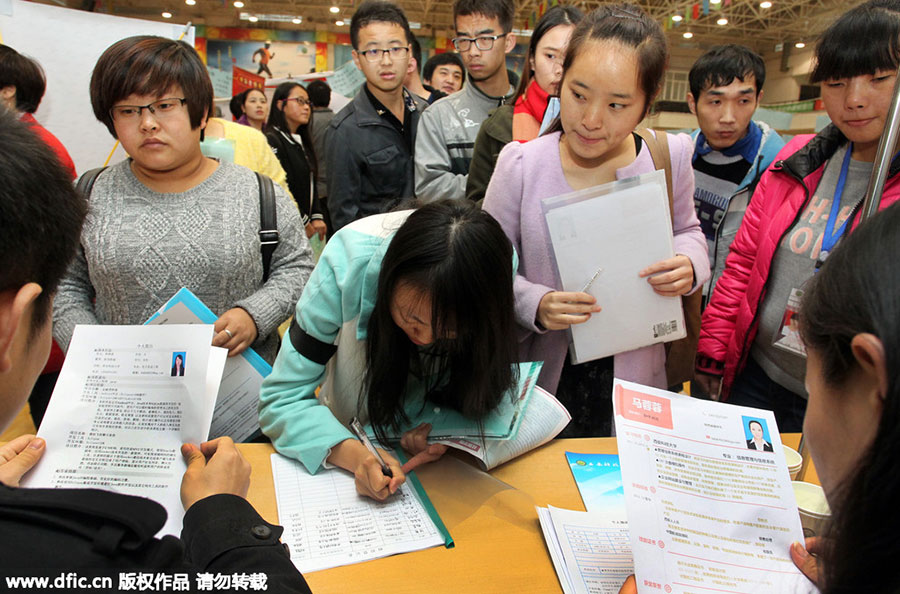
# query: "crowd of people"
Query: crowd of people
439,275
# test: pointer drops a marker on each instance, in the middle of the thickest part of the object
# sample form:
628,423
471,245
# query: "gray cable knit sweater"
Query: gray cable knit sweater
139,247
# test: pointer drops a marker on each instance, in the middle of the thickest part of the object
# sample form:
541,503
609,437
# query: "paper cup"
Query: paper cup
794,461
813,507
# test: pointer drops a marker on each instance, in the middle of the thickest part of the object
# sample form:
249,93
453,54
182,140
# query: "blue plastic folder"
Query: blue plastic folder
206,315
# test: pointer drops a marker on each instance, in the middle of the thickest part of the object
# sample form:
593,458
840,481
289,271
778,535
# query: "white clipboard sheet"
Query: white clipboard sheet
620,227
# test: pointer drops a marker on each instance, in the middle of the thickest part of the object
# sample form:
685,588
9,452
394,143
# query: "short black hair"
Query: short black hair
377,11
722,64
502,10
148,65
416,52
440,60
41,213
862,41
26,75
319,93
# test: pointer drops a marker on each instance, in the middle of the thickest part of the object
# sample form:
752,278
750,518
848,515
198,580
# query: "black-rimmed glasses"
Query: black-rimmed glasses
300,101
482,42
162,108
396,53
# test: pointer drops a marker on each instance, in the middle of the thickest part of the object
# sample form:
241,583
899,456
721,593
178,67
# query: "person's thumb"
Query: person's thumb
193,456
12,472
805,562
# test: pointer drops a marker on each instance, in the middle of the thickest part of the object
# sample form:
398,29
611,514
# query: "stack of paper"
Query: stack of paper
126,399
328,524
541,421
591,552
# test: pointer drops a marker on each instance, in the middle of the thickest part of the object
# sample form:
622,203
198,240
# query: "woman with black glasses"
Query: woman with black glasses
168,217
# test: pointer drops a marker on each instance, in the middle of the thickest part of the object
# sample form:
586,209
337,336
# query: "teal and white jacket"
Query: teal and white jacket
331,318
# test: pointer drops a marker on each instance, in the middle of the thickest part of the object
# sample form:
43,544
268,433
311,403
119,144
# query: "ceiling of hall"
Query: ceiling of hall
762,28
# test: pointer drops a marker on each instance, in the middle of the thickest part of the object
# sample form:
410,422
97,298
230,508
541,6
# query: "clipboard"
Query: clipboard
621,227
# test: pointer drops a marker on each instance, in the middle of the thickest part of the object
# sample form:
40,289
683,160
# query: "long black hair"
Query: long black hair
558,15
277,120
459,256
857,291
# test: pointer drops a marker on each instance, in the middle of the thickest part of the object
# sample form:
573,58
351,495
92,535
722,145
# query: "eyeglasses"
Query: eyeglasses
376,55
300,101
482,42
162,109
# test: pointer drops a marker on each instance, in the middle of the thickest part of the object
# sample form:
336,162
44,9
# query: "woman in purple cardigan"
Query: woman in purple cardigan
613,69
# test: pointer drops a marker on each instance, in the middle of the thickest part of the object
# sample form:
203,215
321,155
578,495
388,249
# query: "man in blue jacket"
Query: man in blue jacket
731,150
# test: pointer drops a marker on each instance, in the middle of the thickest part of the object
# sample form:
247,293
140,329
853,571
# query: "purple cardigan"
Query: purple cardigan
514,199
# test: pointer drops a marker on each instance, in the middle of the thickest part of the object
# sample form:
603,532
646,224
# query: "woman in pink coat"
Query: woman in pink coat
613,69
749,351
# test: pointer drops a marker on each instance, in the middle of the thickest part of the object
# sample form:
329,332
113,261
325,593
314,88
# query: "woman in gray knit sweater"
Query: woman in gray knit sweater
168,217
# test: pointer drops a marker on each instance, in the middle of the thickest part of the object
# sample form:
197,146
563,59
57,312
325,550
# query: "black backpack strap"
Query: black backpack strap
86,181
268,223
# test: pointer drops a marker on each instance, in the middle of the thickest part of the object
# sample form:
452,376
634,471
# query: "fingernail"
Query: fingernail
36,443
799,550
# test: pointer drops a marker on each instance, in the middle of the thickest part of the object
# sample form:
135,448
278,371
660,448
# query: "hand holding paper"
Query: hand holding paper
235,331
672,277
560,309
215,467
18,457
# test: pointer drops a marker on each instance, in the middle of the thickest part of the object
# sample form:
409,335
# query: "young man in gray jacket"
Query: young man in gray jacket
448,128
369,153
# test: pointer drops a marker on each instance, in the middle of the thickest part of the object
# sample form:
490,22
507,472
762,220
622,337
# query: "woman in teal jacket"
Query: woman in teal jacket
404,309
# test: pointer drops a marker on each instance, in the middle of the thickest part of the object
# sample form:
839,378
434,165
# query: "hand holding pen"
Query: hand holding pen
378,475
558,310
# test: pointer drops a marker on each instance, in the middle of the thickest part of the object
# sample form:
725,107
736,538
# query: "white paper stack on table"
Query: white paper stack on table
328,524
602,238
591,550
121,410
706,513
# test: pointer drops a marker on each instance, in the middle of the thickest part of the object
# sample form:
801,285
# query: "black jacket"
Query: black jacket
370,167
50,532
296,165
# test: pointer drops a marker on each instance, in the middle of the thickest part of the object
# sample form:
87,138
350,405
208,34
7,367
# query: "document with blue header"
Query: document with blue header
236,414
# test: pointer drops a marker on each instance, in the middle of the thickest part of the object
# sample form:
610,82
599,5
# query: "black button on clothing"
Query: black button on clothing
261,532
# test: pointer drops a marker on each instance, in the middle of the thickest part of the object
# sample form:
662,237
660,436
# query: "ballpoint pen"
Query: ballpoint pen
591,282
357,430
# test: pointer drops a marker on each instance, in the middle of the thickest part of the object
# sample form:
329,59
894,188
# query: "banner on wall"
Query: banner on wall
268,59
242,80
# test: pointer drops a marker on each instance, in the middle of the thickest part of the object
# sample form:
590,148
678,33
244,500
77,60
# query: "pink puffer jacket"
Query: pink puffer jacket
729,322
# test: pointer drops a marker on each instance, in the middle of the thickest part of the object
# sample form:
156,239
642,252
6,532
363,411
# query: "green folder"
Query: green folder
413,481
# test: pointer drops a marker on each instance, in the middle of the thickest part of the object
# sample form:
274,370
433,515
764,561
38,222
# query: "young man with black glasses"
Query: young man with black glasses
447,133
370,150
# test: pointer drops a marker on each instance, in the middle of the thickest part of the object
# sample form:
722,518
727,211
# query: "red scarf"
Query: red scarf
531,105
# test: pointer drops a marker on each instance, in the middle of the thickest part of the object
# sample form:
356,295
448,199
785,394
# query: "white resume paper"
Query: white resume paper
126,399
707,510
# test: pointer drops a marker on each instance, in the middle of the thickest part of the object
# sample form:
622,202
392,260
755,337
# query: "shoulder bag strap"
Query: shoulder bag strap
659,151
86,181
268,223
